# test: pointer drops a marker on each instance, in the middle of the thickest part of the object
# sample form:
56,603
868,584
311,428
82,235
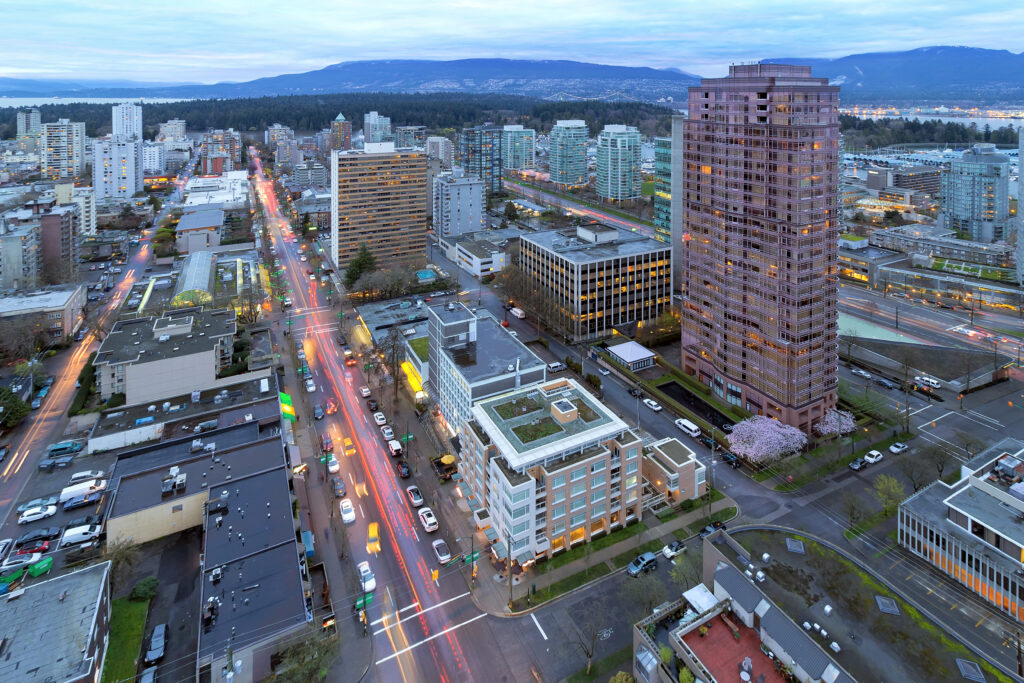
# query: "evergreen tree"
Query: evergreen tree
364,262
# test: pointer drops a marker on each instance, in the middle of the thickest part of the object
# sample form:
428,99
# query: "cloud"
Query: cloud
215,40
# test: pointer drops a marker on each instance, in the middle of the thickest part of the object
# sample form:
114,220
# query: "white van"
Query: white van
688,427
79,534
395,447
86,487
928,381
556,366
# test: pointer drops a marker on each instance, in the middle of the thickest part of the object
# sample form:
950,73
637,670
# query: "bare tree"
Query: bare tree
970,443
584,634
916,472
124,557
685,573
642,594
937,456
852,507
393,348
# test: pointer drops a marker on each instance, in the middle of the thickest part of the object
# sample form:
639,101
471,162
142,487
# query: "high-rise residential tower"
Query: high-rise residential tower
443,149
410,136
341,133
567,156
518,148
663,189
378,198
117,167
62,149
459,204
29,123
376,128
976,194
127,120
757,162
172,131
618,163
480,154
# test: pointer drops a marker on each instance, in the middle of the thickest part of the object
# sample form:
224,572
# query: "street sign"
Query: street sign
364,601
368,366
323,459
472,557
406,438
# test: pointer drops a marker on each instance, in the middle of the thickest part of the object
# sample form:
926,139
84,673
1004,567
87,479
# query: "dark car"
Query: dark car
4,451
88,520
883,382
731,460
402,467
51,464
157,644
339,486
636,392
326,445
318,412
81,501
341,340
857,465
351,360
642,564
710,529
371,404
36,535
148,675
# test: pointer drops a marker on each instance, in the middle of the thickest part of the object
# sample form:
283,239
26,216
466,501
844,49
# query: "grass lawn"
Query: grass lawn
521,406
618,660
625,558
420,346
127,628
563,586
690,505
531,432
868,523
647,188
595,545
723,515
805,478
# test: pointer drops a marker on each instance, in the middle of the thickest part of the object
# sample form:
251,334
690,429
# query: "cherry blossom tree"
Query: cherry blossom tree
761,439
834,423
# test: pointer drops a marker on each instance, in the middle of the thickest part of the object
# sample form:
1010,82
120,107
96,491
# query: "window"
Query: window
558,496
631,482
557,511
701,476
519,496
597,466
520,528
596,496
520,511
558,529
557,481
597,481
631,467
578,504
631,454
597,511
579,474
577,489
576,520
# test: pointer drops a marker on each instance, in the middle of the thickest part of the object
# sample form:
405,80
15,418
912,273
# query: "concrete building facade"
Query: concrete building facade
58,310
62,149
594,278
758,166
480,155
378,198
117,168
154,158
459,205
567,155
410,136
443,149
85,197
126,119
663,189
341,133
618,163
28,123
518,148
20,255
171,131
976,194
376,128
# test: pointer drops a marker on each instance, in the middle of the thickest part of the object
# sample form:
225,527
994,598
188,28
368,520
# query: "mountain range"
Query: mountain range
950,74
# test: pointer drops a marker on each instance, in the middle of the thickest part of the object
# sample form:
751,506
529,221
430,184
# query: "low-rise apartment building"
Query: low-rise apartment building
593,278
916,239
472,357
147,359
553,466
58,311
199,230
672,469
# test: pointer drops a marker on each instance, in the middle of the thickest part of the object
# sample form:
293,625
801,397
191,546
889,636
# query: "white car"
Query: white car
860,373
604,371
348,511
37,513
380,419
672,549
652,404
302,258
333,466
366,579
310,386
387,432
427,519
415,497
364,391
441,552
20,561
898,448
873,457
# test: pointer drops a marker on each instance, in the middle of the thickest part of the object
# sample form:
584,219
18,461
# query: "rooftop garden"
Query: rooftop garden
521,406
586,413
533,431
421,348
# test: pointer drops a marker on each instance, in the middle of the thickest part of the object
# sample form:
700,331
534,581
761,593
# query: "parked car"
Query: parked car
380,419
364,391
4,450
51,464
898,448
387,432
36,402
148,675
310,386
652,404
366,578
15,561
81,501
333,465
731,460
38,547
338,484
326,445
318,412
873,456
441,552
86,475
860,373
857,465
37,513
43,534
371,404
5,545
884,383
348,511
927,381
36,502
672,549
414,496
711,528
88,520
156,644
427,519
635,392
402,467
642,564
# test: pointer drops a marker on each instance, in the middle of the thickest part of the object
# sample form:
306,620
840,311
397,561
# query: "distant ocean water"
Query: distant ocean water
21,102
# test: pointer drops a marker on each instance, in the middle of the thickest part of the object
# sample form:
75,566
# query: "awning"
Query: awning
499,550
456,477
474,504
524,557
490,534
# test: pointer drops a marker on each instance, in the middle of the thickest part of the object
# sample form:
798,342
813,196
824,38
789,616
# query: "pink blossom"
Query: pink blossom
761,439
834,423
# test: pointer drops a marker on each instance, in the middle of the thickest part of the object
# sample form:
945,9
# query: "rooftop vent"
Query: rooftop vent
172,482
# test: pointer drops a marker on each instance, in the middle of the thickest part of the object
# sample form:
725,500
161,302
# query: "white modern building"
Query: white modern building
618,163
976,194
117,167
29,123
172,131
567,154
459,203
518,148
154,157
376,128
443,149
127,121
62,149
21,256
85,197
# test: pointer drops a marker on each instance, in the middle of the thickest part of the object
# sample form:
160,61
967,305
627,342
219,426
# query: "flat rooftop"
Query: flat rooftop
494,353
570,247
204,471
676,451
259,595
133,460
381,316
258,515
36,301
190,331
201,220
46,625
521,426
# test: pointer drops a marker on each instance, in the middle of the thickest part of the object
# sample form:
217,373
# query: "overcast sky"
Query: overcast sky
221,40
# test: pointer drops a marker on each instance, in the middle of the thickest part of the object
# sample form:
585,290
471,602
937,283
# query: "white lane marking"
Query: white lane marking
404,609
351,479
986,417
422,611
427,640
931,423
537,624
361,513
921,410
415,535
